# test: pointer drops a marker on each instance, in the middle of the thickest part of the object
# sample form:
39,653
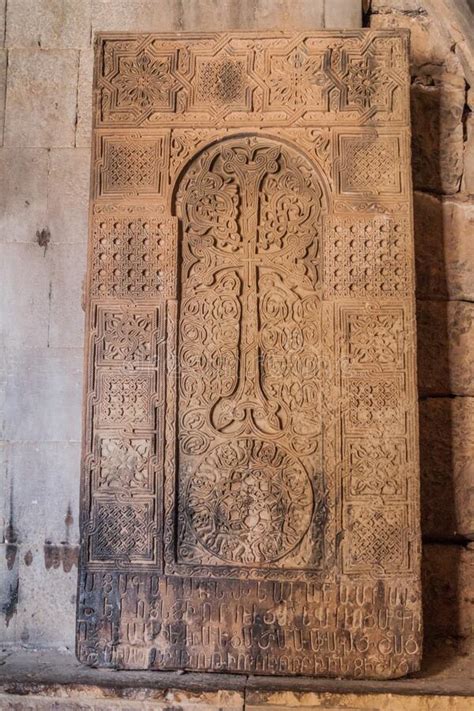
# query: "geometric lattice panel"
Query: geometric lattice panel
121,532
377,540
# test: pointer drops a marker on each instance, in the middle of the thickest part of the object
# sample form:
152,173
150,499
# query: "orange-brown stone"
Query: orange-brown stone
250,470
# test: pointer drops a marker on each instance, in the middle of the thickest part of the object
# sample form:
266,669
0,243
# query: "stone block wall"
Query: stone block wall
45,116
443,165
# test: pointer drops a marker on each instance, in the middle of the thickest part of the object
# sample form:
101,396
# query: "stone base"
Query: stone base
235,701
55,680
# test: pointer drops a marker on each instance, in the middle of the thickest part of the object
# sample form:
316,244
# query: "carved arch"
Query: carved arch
174,199
249,387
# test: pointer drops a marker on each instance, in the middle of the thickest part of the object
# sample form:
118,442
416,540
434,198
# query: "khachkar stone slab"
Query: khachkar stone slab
250,474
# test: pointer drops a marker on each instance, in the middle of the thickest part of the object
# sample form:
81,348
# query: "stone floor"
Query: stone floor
55,680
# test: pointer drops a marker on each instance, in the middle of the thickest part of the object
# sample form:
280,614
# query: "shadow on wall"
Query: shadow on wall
441,564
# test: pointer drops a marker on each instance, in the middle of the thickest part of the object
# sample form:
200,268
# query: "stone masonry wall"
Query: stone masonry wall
443,180
45,88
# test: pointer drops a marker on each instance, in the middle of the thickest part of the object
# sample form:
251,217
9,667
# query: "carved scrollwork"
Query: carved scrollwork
250,310
249,502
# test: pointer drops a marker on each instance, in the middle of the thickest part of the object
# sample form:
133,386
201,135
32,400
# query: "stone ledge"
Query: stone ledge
447,671
256,701
291,701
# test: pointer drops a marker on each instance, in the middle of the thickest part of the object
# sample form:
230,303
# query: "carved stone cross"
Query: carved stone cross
250,475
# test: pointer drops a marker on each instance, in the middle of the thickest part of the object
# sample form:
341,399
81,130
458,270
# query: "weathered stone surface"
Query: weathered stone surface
41,98
3,80
437,135
447,466
6,484
272,270
198,15
49,24
2,21
9,544
43,394
448,594
57,590
292,701
51,466
31,571
47,568
137,16
255,14
257,701
66,317
31,306
84,99
438,95
166,701
388,6
8,602
9,578
430,51
446,670
470,98
445,347
283,14
444,247
455,21
342,14
468,176
23,193
68,197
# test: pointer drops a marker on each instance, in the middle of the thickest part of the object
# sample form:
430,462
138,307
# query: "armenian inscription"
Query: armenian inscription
250,475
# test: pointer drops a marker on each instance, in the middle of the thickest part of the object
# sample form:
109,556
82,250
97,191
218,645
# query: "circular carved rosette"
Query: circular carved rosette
249,502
